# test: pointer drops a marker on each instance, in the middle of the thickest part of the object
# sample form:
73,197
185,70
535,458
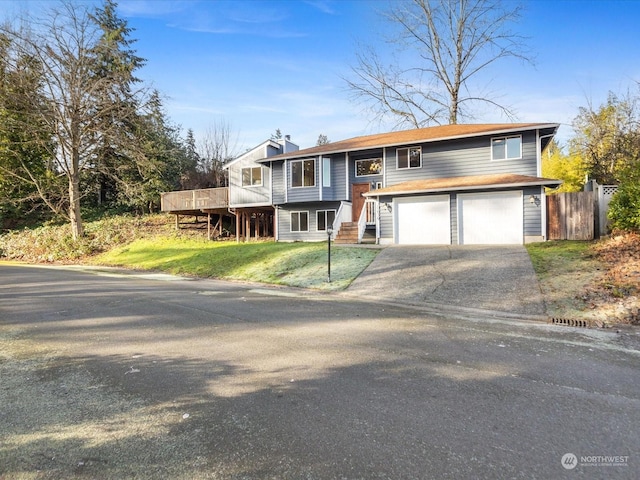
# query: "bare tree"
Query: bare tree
455,40
218,145
63,42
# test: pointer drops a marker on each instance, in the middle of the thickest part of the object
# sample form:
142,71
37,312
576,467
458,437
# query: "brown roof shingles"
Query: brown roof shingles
428,134
463,183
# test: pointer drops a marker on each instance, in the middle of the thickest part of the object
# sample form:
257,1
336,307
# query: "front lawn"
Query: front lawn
293,264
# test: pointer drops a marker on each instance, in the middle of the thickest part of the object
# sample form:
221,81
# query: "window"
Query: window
303,173
325,219
506,148
409,157
299,221
326,172
252,177
372,166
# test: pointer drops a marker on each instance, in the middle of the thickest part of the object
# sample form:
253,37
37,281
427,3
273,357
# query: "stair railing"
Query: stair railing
342,215
368,216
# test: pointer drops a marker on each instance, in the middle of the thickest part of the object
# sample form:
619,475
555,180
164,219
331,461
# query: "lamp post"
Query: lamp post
329,233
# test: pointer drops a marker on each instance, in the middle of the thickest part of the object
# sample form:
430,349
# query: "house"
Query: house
251,188
453,184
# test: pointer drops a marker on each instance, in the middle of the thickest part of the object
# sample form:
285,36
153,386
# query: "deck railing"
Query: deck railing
190,200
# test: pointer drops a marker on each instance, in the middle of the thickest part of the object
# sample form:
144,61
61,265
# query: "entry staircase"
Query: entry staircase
349,234
362,231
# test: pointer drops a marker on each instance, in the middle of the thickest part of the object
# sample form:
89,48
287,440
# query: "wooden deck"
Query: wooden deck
192,202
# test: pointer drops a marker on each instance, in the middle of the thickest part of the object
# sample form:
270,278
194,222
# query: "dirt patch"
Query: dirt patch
603,287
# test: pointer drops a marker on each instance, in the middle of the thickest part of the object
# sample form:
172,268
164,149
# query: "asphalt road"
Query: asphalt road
154,377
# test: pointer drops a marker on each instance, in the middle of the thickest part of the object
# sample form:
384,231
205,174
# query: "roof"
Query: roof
251,151
429,134
473,182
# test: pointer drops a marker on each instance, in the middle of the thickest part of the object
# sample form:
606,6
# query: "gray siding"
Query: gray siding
338,188
453,202
533,211
386,219
462,158
278,182
303,194
248,195
313,235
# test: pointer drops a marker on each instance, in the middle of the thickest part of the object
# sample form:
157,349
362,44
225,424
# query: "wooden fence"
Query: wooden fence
570,216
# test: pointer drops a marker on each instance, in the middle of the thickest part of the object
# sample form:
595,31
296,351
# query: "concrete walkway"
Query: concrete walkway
490,278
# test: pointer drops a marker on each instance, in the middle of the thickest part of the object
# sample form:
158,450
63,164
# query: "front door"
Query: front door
357,189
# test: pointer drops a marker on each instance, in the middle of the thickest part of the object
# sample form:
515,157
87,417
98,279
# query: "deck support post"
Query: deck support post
208,226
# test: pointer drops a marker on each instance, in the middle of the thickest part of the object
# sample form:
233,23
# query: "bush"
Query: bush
54,243
624,208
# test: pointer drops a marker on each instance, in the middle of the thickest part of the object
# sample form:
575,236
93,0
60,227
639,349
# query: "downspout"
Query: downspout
543,195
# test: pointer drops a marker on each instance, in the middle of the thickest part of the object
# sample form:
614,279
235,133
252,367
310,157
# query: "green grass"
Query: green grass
293,264
552,257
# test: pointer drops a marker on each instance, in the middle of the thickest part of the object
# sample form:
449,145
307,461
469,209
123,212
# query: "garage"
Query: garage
493,218
422,220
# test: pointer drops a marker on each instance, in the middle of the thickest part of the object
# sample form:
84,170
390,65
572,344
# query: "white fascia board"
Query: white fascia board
459,189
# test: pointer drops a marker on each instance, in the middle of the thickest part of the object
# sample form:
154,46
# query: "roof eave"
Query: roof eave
301,154
550,183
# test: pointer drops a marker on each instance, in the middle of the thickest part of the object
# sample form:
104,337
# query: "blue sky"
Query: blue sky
266,65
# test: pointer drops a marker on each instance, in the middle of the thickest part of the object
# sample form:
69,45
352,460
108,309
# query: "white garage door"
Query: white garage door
422,220
490,218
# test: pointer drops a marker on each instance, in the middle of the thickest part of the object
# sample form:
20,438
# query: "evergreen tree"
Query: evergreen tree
117,102
86,74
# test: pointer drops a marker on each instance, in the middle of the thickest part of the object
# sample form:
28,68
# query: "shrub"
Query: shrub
624,208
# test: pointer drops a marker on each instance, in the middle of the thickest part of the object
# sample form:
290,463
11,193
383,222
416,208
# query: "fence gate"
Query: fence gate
570,216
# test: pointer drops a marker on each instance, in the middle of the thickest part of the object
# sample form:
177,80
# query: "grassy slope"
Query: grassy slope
294,264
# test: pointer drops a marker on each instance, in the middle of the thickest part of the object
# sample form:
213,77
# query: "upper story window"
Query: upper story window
252,177
303,173
506,148
409,157
371,166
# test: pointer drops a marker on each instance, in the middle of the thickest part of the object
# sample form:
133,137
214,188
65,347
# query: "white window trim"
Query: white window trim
314,172
325,218
251,184
505,148
291,221
408,167
368,160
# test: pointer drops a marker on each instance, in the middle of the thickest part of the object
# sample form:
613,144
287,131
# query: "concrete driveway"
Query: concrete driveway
495,279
